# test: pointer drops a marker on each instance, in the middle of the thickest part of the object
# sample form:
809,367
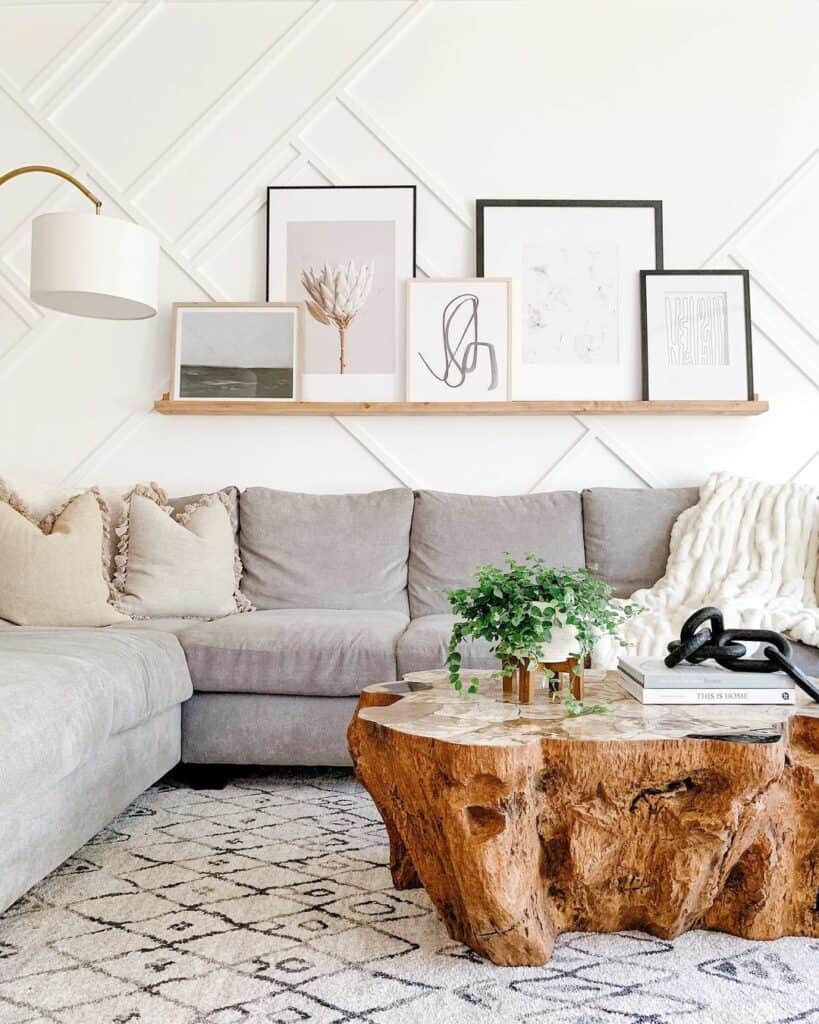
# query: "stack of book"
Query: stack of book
649,681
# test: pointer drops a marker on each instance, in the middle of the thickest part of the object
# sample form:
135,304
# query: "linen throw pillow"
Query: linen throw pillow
177,564
52,572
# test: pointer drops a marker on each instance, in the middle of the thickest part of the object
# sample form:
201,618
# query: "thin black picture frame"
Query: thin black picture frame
340,188
699,272
482,204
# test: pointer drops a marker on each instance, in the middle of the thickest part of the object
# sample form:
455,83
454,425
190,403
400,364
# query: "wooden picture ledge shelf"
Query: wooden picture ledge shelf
177,407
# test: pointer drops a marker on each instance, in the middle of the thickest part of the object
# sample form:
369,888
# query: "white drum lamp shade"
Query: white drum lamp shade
95,266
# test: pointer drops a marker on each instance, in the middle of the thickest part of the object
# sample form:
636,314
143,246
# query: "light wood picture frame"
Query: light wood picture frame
237,351
459,338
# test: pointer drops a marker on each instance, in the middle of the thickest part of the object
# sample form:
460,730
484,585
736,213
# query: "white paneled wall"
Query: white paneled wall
180,113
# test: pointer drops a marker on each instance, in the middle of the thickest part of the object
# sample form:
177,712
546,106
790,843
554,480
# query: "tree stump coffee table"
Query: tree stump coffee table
522,823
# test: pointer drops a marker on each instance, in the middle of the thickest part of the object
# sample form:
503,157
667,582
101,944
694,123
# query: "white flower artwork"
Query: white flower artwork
570,296
336,295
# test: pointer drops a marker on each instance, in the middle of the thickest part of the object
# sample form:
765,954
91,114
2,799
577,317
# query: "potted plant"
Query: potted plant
527,610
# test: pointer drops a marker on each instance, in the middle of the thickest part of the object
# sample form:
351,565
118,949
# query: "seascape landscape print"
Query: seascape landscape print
237,352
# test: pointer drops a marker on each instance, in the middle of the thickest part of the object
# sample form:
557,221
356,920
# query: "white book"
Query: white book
653,672
781,695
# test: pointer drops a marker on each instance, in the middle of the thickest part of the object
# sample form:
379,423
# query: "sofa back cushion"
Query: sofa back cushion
325,550
627,532
452,534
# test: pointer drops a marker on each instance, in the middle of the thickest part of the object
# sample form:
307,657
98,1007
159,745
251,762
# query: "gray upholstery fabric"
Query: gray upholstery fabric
627,532
325,550
159,625
424,645
64,692
454,533
315,651
38,832
249,728
807,658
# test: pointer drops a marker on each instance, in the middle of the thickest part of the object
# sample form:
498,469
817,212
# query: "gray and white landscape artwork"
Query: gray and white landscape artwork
236,353
696,328
571,303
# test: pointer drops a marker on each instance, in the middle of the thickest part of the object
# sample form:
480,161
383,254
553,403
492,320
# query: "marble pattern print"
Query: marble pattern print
571,299
269,902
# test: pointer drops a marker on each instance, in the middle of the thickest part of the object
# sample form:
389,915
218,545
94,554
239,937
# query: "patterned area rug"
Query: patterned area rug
268,901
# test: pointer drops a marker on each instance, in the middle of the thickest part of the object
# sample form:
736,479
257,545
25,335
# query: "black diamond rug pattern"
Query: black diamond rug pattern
269,902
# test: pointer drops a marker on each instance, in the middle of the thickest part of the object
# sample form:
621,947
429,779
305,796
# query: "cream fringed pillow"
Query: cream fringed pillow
184,565
52,573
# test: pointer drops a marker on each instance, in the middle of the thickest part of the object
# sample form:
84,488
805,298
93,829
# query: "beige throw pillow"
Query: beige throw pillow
182,565
51,573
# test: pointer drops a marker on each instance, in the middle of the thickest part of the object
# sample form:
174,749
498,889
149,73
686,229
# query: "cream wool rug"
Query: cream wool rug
269,901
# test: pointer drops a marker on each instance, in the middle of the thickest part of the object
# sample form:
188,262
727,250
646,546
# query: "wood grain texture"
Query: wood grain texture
176,407
517,844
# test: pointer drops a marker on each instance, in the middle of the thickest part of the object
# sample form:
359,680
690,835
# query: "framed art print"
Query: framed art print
458,337
237,351
576,301
345,251
696,334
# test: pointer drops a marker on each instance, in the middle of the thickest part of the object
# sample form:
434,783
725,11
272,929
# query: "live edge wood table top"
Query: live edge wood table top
522,822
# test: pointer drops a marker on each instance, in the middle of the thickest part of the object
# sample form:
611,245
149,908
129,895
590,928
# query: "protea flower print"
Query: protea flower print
337,294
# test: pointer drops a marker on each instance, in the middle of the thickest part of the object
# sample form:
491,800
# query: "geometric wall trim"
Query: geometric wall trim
180,113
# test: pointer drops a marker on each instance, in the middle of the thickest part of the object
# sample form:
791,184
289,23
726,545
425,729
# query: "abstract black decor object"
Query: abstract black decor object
697,645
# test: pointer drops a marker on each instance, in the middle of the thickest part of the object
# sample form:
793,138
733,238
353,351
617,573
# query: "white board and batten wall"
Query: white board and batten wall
180,114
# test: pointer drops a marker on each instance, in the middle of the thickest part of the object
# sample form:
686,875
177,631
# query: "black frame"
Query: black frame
481,204
293,188
746,289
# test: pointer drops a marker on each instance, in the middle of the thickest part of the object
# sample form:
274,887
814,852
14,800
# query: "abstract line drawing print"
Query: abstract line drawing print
571,304
696,328
462,359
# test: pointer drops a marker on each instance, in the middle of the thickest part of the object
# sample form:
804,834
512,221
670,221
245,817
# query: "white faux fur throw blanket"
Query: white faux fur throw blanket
749,548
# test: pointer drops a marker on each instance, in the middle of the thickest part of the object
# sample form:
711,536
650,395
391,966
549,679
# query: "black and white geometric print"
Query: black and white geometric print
269,902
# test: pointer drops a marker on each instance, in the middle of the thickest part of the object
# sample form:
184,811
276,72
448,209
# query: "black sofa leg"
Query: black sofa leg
205,776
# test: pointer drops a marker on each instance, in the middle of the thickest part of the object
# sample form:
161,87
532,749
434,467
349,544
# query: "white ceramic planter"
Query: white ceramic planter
563,643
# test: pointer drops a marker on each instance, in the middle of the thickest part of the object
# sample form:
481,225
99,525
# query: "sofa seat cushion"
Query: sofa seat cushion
452,534
627,532
425,642
311,652
64,692
162,624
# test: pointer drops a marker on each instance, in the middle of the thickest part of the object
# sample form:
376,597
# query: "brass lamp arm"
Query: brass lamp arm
52,170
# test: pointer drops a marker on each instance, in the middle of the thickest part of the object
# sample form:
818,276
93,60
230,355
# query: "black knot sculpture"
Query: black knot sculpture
698,642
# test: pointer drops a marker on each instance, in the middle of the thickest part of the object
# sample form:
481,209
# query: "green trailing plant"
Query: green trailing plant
516,608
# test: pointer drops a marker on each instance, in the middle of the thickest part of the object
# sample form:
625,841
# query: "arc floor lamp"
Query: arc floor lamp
91,265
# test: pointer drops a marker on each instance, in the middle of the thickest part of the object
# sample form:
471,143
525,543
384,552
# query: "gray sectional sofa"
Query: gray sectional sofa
349,590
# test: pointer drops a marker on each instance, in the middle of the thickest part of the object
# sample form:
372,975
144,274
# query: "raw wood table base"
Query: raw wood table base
516,842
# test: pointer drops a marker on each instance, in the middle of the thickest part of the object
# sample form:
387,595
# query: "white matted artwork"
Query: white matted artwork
458,337
237,351
696,335
576,300
345,251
